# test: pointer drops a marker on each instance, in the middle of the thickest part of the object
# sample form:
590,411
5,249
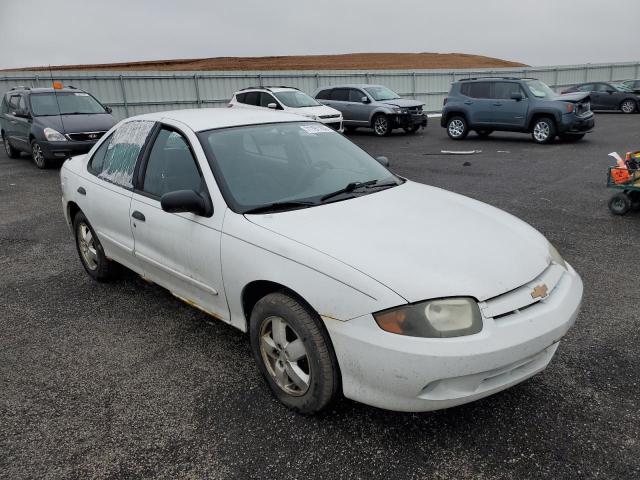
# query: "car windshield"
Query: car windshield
540,89
296,99
284,163
64,103
380,94
621,87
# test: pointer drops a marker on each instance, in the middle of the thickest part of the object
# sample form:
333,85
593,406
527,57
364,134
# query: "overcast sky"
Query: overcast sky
536,32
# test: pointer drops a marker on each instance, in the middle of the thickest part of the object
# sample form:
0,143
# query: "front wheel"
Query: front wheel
544,130
294,353
620,204
38,155
381,125
628,106
11,152
91,253
457,128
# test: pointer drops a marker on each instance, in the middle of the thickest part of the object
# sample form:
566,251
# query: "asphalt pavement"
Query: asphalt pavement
122,380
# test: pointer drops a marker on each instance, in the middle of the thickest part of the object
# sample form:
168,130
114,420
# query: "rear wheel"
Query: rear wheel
544,130
457,128
620,204
11,152
484,133
628,106
381,125
92,256
38,155
294,353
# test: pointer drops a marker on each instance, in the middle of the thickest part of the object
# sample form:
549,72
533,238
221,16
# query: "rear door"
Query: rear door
180,251
340,101
509,113
479,102
108,189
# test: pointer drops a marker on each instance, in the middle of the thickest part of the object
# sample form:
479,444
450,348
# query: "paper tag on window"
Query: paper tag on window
319,128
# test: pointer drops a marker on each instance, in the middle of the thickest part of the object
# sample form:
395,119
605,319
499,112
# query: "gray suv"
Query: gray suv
373,106
51,123
515,105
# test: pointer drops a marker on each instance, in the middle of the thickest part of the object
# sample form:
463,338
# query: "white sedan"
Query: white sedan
349,279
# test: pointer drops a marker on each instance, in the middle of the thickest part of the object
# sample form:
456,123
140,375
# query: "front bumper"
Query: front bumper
334,123
406,120
577,125
60,150
412,374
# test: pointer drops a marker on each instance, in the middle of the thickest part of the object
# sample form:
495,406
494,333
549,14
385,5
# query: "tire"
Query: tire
38,155
10,151
308,384
381,125
572,138
412,129
628,106
457,128
620,204
544,130
90,251
484,133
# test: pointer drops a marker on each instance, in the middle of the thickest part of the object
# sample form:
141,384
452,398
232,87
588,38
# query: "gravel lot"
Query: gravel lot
121,380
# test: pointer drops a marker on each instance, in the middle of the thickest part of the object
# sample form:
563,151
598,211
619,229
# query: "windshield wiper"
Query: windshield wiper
348,189
275,206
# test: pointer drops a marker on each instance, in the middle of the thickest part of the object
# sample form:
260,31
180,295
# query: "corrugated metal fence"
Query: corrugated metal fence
131,93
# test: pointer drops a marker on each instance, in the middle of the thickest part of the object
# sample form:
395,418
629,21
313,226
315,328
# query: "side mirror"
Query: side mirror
384,161
365,99
186,201
517,96
108,109
272,105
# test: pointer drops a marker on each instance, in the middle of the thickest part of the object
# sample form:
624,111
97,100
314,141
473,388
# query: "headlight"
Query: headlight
447,317
397,109
54,135
556,257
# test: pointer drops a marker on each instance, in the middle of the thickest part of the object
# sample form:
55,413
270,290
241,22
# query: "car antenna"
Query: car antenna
55,94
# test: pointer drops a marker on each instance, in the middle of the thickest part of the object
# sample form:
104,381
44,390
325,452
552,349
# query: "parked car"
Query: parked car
290,100
271,223
51,123
373,106
515,105
608,96
633,85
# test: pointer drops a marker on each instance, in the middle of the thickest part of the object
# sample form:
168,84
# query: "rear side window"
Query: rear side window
324,94
240,97
171,165
504,90
252,98
476,89
121,153
340,94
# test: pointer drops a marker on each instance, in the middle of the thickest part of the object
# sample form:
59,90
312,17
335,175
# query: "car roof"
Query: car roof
45,90
199,119
351,85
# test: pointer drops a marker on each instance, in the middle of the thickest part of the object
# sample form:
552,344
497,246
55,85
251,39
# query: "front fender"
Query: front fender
377,110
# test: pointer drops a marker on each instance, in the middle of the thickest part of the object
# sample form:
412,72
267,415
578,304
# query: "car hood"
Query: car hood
573,97
402,102
421,242
319,110
98,122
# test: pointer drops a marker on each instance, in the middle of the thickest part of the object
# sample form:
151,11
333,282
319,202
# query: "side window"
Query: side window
266,99
504,90
476,89
22,104
122,153
171,165
240,97
97,161
14,100
252,98
324,94
586,88
602,87
340,94
355,95
4,108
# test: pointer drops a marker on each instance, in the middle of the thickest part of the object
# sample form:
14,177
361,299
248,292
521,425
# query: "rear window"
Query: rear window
476,89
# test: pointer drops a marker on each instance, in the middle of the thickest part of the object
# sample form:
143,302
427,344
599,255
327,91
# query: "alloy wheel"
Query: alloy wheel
456,128
541,131
7,147
38,156
628,106
381,125
285,356
87,246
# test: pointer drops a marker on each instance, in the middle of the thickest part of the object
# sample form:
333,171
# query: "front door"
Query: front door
507,111
180,251
359,111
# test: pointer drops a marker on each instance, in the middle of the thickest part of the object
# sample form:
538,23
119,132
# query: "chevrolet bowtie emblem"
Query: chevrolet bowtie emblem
540,291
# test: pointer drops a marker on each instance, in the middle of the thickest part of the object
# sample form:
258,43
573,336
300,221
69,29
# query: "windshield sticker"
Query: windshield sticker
81,94
316,128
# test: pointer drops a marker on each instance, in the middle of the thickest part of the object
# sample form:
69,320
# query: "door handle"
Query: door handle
468,102
138,216
82,191
497,104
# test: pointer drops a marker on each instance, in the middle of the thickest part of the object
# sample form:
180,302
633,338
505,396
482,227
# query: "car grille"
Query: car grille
85,136
521,298
330,116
